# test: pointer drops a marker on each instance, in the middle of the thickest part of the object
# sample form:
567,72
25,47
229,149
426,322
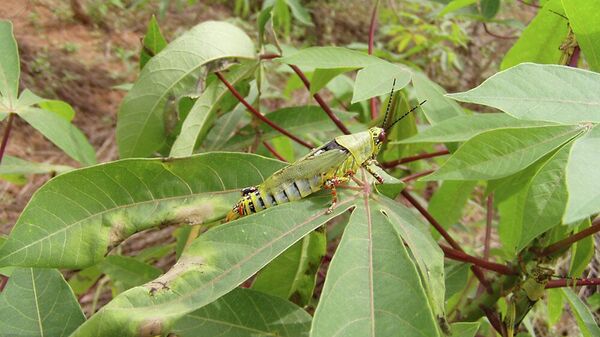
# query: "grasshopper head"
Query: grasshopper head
378,136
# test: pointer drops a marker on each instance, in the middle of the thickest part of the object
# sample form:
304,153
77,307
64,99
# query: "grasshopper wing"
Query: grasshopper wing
315,163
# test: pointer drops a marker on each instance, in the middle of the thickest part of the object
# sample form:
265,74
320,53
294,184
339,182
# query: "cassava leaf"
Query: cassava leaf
373,288
213,265
585,23
499,153
585,318
235,315
9,66
583,177
153,42
14,165
204,111
461,128
38,303
329,58
540,92
292,274
62,133
540,42
438,107
141,124
72,219
377,79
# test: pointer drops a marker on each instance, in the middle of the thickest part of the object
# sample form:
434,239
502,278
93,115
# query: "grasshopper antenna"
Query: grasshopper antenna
387,110
406,114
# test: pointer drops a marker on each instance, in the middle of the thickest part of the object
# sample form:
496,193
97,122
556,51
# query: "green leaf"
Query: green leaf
84,279
38,302
448,202
292,274
582,252
461,128
540,92
555,305
585,23
9,66
141,124
153,42
321,77
438,107
225,126
489,8
465,329
14,165
218,261
373,288
377,79
330,58
200,118
28,98
585,319
72,219
62,133
424,250
457,274
546,197
299,12
499,153
455,5
127,272
245,313
540,42
297,120
583,177
533,201
61,108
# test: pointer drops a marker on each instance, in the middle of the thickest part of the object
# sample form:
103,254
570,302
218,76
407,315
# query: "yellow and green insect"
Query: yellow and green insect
326,167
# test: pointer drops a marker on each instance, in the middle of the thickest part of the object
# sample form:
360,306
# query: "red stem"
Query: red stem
11,117
496,35
572,283
373,100
258,114
494,320
321,102
457,255
273,151
416,175
394,163
565,243
268,56
476,271
3,282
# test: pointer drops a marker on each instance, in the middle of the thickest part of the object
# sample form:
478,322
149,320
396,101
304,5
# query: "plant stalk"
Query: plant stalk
258,114
572,283
321,102
485,264
567,242
478,272
273,151
9,122
394,163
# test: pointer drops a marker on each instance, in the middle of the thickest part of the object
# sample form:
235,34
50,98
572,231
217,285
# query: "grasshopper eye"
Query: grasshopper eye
381,137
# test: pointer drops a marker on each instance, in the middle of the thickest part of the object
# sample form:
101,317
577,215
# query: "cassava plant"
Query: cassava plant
390,259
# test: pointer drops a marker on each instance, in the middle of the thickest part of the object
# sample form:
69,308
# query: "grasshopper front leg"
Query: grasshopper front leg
369,166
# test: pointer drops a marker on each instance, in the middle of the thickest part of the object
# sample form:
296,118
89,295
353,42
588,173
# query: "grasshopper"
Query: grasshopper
327,166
